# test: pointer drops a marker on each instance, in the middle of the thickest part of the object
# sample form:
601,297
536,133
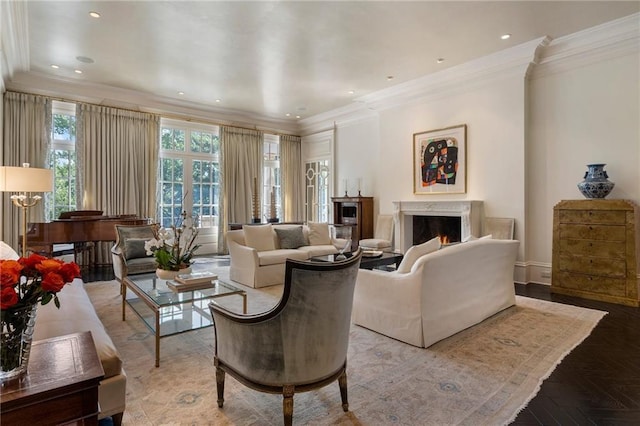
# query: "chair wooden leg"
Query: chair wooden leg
287,404
342,382
220,386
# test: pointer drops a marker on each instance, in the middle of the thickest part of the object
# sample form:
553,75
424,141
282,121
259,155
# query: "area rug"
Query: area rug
482,376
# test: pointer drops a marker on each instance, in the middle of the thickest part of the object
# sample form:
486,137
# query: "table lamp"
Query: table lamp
25,180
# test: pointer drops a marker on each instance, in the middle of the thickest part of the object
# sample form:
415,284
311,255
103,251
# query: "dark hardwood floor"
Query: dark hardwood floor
598,383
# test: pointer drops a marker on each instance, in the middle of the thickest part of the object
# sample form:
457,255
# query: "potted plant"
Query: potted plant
174,247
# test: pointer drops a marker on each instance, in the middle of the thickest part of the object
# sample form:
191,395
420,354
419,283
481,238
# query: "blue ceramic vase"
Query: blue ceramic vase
596,183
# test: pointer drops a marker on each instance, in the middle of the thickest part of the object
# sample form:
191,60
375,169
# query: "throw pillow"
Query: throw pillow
319,234
259,237
473,238
290,238
134,248
7,253
416,252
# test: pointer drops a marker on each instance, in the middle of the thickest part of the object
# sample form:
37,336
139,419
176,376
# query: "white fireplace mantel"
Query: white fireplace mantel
470,213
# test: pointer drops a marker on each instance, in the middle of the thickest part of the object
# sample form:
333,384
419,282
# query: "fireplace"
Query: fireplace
419,221
447,228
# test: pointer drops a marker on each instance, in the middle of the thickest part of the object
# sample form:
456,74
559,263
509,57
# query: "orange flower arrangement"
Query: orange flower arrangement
27,281
23,284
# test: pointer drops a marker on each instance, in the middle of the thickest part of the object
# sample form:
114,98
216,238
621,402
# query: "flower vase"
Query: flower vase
164,274
15,343
595,183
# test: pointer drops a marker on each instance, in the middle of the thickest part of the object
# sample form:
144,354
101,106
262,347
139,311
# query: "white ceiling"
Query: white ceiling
270,59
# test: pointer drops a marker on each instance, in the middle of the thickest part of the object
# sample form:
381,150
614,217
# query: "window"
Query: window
62,160
190,177
271,183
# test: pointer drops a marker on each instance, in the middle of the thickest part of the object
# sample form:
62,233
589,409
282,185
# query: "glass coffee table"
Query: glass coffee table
167,312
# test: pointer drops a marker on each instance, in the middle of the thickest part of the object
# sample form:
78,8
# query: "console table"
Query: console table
60,387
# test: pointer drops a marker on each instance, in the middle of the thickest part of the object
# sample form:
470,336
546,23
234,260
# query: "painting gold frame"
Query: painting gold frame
439,161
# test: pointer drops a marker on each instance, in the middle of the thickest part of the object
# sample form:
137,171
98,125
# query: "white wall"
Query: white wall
584,115
357,158
528,138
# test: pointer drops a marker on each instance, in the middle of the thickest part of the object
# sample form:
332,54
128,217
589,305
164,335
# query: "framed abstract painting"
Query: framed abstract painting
439,161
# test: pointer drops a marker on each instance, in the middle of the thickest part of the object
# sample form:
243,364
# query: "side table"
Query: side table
60,387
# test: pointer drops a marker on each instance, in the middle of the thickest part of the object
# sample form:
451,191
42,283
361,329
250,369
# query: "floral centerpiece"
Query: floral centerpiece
27,282
173,247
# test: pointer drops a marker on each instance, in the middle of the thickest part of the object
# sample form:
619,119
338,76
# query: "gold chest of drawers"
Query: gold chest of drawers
594,250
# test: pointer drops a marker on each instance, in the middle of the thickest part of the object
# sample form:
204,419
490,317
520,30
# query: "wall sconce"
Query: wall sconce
25,180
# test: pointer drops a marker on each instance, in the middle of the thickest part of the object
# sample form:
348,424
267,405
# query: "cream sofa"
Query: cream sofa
258,252
76,314
441,293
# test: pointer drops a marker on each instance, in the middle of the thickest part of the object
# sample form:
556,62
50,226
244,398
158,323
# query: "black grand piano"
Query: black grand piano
81,229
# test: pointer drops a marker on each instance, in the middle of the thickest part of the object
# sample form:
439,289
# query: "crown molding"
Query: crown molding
515,61
613,39
73,90
14,38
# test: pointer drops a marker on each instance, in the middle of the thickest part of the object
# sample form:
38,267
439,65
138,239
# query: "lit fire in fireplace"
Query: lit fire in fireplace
444,239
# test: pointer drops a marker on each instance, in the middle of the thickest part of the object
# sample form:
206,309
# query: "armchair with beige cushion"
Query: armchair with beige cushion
382,236
128,252
258,252
435,292
299,345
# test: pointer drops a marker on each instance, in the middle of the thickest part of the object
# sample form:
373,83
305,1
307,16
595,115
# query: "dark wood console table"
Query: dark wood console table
60,387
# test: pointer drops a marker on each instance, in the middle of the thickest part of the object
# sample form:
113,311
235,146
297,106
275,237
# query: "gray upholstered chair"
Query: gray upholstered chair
128,253
299,345
383,235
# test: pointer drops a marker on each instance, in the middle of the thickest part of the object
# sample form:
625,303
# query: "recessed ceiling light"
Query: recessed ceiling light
351,92
180,93
54,66
218,100
94,14
439,60
505,36
288,115
78,71
389,77
297,116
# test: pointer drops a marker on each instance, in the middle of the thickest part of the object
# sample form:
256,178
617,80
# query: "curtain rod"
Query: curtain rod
169,116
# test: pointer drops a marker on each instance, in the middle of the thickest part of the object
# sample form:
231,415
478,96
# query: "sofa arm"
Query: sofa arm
242,255
390,303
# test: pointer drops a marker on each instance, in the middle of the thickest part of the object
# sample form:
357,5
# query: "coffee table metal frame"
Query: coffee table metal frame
155,294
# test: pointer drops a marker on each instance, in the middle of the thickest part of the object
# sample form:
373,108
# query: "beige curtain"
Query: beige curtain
26,139
240,166
292,178
117,153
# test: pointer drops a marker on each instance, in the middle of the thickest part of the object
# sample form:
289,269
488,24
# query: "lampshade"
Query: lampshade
25,179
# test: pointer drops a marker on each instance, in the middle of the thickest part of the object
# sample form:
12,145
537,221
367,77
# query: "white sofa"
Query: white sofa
444,291
258,253
76,314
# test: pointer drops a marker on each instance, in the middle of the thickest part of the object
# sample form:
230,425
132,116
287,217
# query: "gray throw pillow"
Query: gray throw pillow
290,238
134,248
